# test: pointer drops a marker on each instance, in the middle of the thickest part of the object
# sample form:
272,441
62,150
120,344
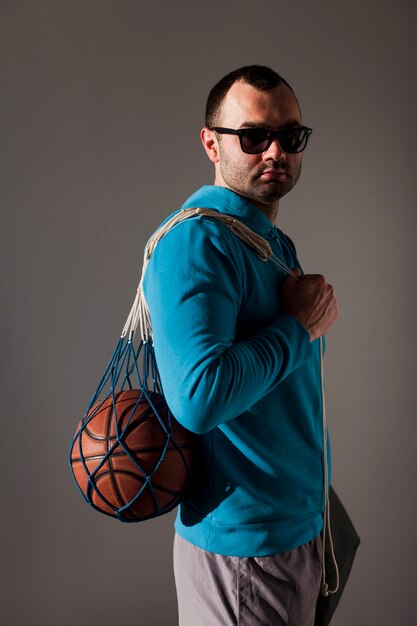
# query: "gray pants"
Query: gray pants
216,590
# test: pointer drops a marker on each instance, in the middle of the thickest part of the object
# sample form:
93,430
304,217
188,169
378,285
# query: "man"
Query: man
236,345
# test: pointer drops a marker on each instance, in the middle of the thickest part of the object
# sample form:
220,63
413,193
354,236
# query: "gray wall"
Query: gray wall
102,102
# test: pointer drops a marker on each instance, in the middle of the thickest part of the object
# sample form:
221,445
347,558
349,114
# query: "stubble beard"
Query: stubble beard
249,183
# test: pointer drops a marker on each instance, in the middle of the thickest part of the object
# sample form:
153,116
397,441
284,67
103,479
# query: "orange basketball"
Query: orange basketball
131,458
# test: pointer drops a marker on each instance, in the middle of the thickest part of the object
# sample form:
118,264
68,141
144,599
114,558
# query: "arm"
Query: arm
193,287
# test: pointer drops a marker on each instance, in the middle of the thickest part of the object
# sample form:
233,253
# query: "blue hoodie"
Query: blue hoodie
243,375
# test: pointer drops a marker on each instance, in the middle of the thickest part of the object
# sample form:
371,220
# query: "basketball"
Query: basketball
130,458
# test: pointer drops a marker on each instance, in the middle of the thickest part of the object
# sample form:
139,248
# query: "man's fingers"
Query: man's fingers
311,300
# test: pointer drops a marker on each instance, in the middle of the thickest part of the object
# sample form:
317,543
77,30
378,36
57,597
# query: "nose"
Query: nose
274,151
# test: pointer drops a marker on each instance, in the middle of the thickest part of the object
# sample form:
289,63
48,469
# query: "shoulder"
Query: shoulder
198,233
195,255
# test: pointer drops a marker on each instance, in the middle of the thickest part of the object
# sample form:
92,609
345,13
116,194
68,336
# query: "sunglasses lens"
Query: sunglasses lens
293,140
253,140
257,140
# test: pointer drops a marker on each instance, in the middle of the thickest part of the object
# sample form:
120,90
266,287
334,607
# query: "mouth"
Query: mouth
273,174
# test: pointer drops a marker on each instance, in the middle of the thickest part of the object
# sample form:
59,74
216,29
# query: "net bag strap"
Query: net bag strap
139,316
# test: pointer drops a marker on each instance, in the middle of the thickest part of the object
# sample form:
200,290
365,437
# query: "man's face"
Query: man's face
261,178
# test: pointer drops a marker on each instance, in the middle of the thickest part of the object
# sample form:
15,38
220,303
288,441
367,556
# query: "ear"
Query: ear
210,143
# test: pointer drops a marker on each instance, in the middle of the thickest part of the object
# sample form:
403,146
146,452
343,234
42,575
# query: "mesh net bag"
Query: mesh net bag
129,457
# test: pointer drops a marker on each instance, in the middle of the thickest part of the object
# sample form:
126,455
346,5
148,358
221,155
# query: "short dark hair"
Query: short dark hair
258,76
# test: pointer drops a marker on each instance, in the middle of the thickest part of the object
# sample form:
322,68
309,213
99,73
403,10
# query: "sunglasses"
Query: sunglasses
292,139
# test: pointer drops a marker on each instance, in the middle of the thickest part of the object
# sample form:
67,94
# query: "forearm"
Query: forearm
224,382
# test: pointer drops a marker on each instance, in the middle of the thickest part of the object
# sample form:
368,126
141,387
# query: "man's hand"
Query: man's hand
311,300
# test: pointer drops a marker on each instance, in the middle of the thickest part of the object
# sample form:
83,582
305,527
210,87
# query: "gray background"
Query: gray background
101,107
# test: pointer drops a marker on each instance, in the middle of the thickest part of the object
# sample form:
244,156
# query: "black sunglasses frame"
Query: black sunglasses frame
270,135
